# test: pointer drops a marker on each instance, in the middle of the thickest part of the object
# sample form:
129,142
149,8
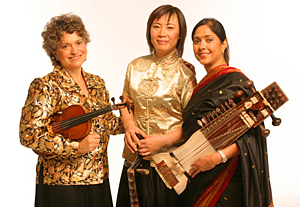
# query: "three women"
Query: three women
161,86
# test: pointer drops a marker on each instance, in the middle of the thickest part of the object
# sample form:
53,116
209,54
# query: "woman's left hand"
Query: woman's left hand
205,163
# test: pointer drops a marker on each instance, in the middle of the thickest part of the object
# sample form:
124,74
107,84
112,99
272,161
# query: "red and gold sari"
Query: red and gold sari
242,180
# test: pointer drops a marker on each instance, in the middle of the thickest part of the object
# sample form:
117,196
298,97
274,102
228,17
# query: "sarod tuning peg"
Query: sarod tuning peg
275,121
249,84
239,94
264,132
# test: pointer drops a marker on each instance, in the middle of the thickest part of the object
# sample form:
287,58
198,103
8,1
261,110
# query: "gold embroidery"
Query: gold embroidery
49,95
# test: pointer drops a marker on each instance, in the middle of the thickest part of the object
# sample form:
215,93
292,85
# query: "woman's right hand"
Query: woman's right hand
88,144
130,139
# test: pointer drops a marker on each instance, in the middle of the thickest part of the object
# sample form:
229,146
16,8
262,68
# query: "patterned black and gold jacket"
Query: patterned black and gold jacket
49,95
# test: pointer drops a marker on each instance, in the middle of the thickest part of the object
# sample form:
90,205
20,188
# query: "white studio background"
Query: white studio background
263,40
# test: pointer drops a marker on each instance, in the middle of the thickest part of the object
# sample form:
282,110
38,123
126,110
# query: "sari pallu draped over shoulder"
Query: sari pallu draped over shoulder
243,180
215,73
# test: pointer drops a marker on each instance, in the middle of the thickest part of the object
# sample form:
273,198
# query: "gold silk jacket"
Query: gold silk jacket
46,97
160,89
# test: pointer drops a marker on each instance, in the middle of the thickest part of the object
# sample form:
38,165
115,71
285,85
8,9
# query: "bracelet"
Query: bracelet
223,156
170,137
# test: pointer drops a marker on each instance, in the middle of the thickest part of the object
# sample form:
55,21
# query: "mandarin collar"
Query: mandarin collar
166,59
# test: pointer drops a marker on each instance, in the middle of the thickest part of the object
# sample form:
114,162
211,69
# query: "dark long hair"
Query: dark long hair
170,10
218,29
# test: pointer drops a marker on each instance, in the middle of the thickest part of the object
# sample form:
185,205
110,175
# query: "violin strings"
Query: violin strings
65,124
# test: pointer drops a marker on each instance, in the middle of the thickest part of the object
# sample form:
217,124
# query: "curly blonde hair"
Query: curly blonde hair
55,28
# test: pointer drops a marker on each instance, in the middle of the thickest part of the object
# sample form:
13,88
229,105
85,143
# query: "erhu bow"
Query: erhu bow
134,202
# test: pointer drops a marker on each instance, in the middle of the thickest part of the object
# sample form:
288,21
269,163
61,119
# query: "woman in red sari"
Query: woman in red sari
238,175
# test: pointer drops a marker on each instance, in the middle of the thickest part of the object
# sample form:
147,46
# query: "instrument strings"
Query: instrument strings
199,149
209,129
65,124
192,154
178,164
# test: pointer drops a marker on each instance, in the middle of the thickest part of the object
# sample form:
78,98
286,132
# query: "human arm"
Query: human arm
208,162
185,83
211,97
130,139
88,144
39,106
153,143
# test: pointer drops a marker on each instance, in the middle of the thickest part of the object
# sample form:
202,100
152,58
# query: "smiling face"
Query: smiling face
71,51
208,48
164,35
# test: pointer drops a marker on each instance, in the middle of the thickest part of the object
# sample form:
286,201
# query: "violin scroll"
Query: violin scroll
128,104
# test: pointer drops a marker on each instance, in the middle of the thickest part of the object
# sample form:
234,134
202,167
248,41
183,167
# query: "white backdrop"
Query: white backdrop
263,43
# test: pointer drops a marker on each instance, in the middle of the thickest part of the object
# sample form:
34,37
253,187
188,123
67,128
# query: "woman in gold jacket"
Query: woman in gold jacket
69,172
160,84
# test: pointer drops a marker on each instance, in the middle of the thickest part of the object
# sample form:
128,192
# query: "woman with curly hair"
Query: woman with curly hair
70,172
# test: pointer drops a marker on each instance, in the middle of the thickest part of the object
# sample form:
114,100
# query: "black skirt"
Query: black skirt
152,192
73,196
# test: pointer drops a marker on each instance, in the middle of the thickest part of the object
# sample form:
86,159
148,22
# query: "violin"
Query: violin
74,122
